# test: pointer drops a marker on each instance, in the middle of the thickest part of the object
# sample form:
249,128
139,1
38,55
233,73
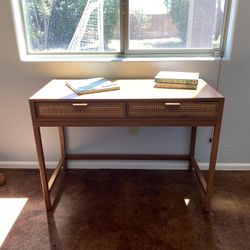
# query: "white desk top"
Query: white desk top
130,89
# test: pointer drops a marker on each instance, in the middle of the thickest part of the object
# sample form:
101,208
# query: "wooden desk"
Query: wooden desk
136,104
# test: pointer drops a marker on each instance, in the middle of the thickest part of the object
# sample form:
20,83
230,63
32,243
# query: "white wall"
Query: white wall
19,80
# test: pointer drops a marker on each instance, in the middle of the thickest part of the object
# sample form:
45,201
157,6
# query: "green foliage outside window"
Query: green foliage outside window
179,13
111,14
51,24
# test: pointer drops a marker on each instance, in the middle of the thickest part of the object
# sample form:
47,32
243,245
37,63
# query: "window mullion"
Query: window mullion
124,26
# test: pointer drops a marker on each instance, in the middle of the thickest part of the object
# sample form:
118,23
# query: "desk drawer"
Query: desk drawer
172,109
80,110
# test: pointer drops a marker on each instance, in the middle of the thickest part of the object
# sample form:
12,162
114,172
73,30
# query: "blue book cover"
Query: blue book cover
91,85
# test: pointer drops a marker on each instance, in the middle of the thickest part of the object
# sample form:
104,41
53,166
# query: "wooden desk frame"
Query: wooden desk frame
129,115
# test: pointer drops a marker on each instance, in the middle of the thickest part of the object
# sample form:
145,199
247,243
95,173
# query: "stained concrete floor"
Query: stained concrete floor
129,210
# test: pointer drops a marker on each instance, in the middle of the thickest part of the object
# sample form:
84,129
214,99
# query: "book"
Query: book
177,77
91,85
175,86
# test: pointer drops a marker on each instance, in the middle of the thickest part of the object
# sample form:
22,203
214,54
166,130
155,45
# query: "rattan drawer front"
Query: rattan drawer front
80,110
172,109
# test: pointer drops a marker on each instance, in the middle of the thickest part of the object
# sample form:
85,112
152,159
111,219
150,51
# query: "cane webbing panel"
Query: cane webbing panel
180,110
95,110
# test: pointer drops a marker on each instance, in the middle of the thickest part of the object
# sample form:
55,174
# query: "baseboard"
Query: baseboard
147,165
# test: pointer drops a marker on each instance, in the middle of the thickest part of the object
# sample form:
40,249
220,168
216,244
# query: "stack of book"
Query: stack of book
176,80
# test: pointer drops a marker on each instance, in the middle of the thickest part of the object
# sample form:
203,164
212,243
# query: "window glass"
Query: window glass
175,24
121,27
72,26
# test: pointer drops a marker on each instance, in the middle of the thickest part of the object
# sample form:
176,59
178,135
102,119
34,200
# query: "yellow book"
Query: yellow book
177,77
175,86
91,85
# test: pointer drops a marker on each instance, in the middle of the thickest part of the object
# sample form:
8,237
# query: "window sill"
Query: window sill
80,58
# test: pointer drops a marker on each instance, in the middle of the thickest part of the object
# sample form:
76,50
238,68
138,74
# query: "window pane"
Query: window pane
175,24
72,26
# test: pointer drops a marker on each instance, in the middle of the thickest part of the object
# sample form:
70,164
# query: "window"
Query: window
122,27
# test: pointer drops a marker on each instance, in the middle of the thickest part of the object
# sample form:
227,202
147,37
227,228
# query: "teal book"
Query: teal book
91,85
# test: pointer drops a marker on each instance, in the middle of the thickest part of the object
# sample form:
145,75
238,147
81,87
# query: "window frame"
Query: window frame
125,53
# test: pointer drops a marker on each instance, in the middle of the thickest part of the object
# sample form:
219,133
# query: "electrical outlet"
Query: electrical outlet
133,130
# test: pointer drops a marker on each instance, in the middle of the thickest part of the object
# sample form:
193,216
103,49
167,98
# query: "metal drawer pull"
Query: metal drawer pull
172,104
80,104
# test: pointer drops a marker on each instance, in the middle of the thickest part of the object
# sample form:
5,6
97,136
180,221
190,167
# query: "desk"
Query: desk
137,103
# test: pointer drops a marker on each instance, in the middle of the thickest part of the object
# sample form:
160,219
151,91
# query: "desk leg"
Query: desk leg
42,167
63,145
212,165
192,147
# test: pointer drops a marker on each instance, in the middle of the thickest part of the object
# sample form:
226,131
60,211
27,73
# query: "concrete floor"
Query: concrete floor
129,210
